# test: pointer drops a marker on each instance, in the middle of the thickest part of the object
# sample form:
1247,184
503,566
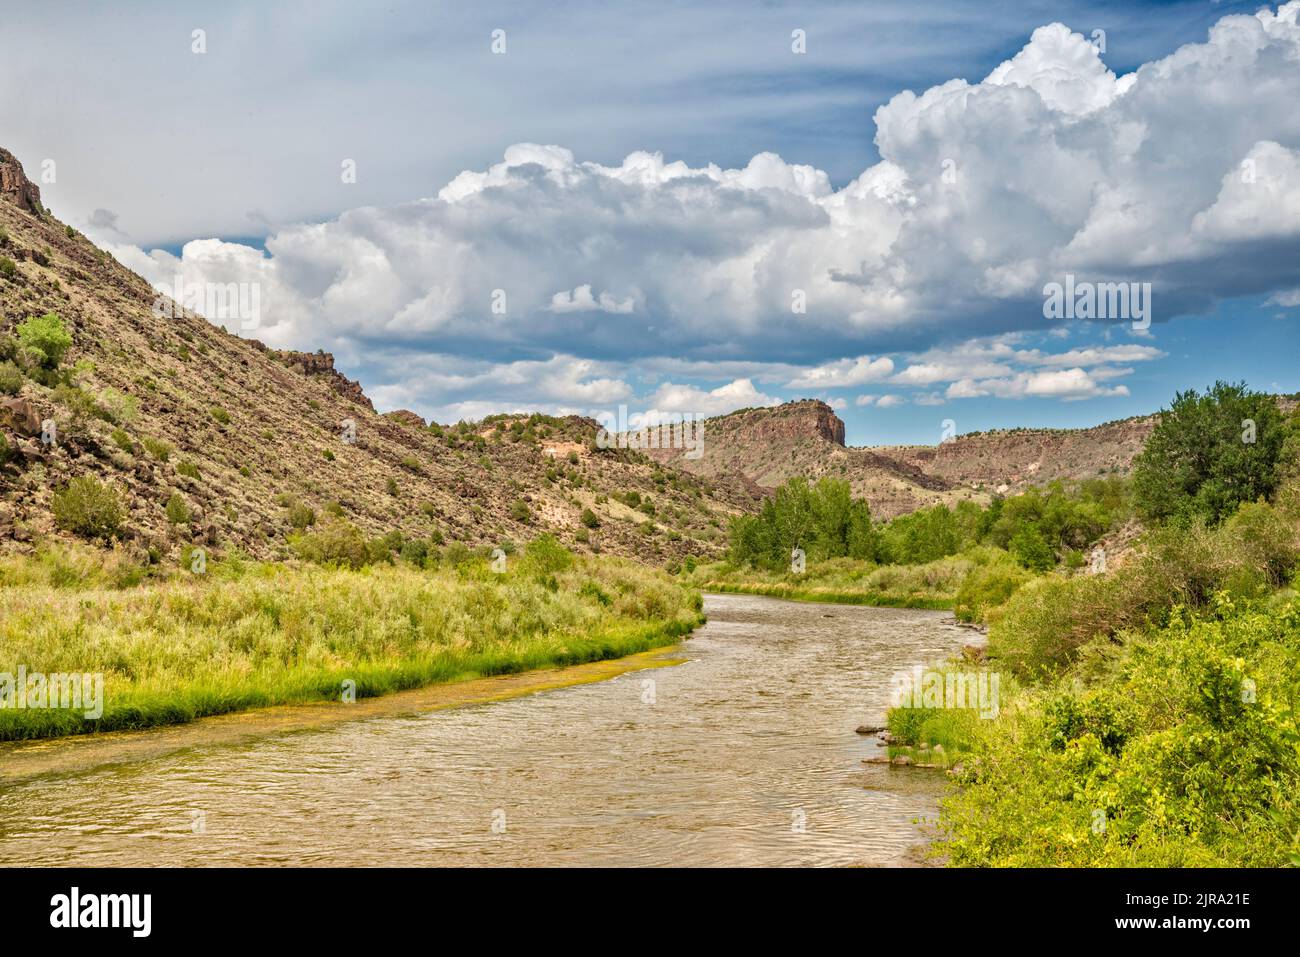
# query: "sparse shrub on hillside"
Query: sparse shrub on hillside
220,414
8,268
157,448
590,519
188,469
390,484
520,511
329,455
301,515
123,441
178,513
412,464
5,452
11,378
86,506
118,407
47,337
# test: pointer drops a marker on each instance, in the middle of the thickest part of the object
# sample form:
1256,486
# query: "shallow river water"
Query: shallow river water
744,754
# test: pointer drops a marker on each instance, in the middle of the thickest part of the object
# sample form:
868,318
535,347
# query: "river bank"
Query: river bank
244,636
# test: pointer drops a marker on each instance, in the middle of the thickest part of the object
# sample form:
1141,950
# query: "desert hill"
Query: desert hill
770,445
248,443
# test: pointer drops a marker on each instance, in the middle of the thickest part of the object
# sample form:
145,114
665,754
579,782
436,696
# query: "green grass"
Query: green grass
847,581
791,593
252,635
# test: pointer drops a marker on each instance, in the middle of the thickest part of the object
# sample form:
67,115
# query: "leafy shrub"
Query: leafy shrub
1031,550
47,337
123,441
157,448
88,507
11,378
1186,752
301,515
590,519
178,513
987,587
8,268
520,511
188,469
220,414
335,543
544,555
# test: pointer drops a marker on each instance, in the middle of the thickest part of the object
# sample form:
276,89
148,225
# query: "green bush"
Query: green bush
520,511
590,519
47,337
544,556
157,448
86,506
987,587
220,414
1185,755
336,542
11,378
8,268
301,516
1031,550
178,513
123,441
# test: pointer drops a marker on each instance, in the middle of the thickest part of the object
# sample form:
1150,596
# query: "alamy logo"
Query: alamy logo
134,911
672,430
935,688
36,691
1098,300
217,301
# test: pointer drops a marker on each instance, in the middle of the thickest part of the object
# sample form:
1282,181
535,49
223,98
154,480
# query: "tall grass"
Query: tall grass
250,635
851,581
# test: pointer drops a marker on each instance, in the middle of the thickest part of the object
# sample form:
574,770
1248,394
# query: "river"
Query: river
742,754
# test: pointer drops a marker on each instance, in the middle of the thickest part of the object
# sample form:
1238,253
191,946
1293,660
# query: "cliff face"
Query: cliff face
15,187
769,446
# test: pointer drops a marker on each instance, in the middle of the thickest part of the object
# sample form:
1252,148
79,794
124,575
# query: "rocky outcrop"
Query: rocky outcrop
15,186
407,417
321,364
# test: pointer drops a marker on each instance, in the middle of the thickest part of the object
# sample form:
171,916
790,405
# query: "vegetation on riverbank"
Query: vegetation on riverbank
246,635
969,559
1152,717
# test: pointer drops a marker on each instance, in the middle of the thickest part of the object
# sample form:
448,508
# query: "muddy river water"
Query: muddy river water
744,753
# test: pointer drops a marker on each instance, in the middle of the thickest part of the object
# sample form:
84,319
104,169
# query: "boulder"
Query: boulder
20,415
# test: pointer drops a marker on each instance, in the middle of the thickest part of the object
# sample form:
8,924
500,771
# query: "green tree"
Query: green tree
1209,454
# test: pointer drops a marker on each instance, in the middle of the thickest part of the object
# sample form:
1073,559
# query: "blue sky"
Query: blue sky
668,289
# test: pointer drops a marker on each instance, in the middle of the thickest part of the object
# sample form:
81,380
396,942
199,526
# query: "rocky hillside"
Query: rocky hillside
206,437
769,446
